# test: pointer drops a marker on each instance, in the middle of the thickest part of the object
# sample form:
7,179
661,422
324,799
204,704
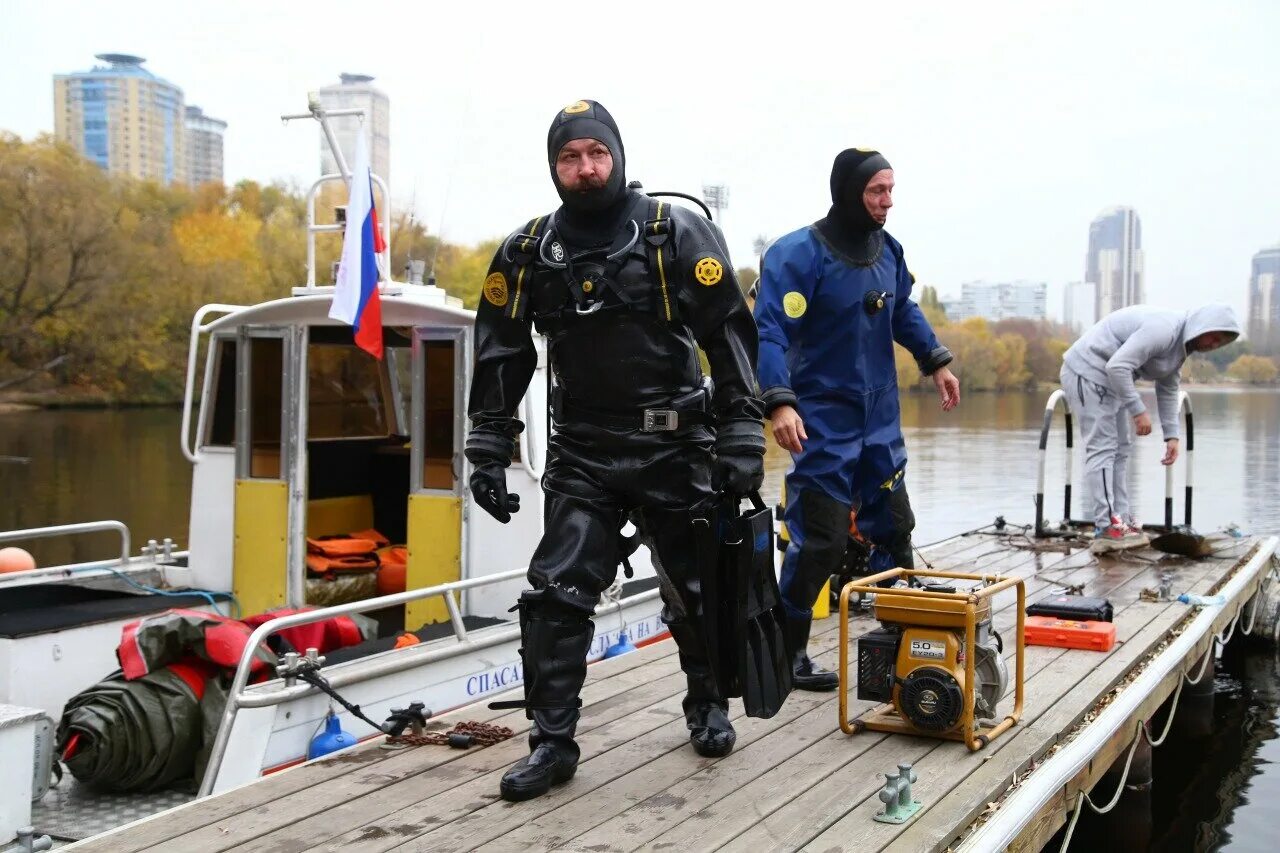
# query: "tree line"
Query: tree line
100,276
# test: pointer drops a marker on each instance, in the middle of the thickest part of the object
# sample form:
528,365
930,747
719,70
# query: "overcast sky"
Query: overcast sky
1010,124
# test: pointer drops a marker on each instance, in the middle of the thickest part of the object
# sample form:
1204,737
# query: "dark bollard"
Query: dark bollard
1194,717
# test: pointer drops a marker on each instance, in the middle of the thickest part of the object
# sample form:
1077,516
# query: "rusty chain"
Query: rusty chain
461,736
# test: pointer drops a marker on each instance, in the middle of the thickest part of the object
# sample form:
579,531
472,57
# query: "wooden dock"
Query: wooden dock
793,782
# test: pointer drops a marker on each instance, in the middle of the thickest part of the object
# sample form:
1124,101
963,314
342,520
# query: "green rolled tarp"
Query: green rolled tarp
133,736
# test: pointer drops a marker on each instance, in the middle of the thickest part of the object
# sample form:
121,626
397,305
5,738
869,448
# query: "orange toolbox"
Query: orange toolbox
1070,633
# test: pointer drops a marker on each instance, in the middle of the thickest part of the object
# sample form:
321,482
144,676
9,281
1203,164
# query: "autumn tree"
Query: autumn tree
1253,370
58,226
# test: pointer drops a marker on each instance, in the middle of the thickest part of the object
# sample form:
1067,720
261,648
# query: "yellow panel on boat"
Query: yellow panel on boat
435,554
259,561
333,516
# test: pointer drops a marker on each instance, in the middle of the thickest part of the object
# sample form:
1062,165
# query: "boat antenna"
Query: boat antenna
444,209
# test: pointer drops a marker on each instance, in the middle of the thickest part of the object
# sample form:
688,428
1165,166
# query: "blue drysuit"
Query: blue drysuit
824,353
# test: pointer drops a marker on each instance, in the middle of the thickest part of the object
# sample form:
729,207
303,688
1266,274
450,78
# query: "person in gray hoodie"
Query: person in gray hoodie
1098,374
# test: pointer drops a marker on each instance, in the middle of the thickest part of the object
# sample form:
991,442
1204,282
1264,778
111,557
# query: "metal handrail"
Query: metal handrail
64,529
410,658
1058,396
313,228
197,328
1184,409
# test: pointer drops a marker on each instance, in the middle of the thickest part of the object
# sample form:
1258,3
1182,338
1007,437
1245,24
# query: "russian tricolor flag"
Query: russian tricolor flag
355,296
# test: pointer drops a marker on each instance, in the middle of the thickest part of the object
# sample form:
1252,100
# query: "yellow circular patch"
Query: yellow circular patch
577,107
794,304
495,289
708,271
588,286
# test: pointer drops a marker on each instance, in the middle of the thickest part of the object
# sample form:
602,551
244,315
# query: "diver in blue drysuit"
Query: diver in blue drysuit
834,297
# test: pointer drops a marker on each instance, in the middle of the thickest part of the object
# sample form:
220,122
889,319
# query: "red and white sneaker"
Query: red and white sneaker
1138,535
1116,536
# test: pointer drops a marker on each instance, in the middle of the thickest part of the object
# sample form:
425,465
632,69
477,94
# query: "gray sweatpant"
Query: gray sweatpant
1105,426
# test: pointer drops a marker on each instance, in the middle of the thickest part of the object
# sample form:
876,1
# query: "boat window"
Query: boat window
222,395
345,393
439,395
400,366
265,407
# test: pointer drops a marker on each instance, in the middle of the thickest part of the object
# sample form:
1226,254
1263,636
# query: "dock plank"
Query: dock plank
617,675
802,777
832,804
794,781
401,781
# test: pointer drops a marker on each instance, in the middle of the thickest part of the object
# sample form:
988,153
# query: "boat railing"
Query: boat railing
70,530
1059,399
397,660
314,228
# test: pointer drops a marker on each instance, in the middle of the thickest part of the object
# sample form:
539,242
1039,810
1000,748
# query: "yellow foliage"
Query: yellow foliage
206,238
1254,370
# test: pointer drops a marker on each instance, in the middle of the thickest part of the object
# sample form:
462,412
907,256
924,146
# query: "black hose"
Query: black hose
319,682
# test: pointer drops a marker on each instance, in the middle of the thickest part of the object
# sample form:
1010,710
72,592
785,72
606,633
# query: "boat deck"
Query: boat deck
794,781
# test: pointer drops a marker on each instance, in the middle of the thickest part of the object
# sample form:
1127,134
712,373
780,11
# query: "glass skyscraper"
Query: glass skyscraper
204,147
356,91
124,118
1264,301
1114,262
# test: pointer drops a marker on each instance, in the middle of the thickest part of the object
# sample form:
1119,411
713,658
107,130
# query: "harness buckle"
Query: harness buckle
660,420
656,232
522,248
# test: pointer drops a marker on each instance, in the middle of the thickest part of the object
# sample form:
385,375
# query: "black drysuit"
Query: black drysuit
623,337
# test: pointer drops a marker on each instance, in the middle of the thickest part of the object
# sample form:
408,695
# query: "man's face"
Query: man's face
1211,341
584,164
878,195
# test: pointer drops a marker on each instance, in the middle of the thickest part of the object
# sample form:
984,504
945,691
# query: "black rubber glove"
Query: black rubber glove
739,468
739,474
489,487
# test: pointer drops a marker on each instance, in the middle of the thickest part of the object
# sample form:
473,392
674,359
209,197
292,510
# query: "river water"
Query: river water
966,467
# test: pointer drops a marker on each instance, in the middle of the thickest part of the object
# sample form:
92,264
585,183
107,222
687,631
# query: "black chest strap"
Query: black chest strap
521,251
660,246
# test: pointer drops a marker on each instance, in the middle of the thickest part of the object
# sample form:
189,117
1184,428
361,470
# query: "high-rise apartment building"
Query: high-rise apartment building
1264,301
124,118
1114,262
999,301
204,147
356,91
1079,304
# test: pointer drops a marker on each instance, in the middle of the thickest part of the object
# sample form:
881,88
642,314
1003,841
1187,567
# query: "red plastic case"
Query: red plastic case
1070,633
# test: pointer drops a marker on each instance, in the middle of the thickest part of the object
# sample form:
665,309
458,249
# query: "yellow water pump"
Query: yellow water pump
936,663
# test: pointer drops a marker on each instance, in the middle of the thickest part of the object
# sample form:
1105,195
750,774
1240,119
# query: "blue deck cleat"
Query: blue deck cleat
620,647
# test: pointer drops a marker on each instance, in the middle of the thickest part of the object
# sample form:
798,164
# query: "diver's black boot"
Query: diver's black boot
805,674
705,712
533,775
554,651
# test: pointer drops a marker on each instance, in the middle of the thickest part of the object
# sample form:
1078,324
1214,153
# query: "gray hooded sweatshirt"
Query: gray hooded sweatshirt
1141,342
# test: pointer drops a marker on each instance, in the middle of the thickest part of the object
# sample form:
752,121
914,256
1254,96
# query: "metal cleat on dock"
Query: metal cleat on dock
896,796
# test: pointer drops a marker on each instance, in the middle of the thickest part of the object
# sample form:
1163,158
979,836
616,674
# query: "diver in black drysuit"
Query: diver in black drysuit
626,288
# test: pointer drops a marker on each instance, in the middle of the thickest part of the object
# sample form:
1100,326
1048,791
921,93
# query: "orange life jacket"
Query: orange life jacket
328,555
340,546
